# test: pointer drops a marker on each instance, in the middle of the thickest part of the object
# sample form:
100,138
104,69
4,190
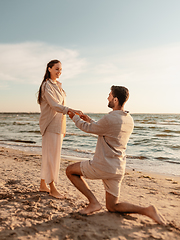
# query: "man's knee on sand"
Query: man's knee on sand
111,202
111,207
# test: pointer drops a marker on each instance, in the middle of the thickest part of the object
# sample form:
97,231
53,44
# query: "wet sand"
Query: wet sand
26,213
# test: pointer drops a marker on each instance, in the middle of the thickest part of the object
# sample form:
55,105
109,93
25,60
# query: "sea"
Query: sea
154,145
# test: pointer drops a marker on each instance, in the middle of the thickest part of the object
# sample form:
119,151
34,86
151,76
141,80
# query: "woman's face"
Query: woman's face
55,71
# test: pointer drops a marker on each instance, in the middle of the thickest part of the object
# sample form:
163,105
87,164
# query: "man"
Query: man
109,161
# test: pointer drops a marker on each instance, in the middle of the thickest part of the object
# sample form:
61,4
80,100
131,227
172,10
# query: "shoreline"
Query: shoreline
138,165
26,213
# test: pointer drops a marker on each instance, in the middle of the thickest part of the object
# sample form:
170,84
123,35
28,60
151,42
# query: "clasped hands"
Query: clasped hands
72,112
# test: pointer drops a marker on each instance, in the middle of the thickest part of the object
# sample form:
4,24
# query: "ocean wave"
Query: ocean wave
17,140
146,122
37,132
140,127
164,135
21,123
4,124
164,159
142,141
169,160
86,151
169,123
83,151
153,127
137,157
81,135
174,147
156,122
161,158
171,131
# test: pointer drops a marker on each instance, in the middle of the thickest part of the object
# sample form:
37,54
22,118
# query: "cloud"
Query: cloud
153,65
26,62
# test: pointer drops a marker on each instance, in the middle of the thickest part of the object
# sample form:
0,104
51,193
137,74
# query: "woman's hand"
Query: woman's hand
78,112
71,113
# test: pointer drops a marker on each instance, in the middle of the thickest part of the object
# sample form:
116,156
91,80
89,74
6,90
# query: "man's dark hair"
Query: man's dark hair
122,94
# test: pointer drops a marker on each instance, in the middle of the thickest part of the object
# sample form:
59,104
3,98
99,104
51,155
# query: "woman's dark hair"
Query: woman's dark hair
46,76
122,94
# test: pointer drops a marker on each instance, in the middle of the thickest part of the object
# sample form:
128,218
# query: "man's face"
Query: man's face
111,100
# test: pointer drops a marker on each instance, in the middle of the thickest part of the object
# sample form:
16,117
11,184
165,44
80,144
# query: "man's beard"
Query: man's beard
111,104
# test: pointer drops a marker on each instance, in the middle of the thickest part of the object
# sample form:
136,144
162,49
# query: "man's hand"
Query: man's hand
78,112
85,118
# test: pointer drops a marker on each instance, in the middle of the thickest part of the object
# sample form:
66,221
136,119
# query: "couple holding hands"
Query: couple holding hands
109,161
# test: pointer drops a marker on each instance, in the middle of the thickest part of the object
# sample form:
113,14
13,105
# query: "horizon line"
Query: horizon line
88,112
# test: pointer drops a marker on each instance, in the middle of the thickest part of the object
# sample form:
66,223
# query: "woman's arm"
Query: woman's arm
52,100
54,103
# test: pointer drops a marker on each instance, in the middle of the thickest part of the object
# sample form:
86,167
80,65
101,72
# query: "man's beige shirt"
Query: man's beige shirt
113,131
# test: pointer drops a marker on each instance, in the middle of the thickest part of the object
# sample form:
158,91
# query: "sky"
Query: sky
131,43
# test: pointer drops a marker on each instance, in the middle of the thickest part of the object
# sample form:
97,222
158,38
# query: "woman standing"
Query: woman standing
52,124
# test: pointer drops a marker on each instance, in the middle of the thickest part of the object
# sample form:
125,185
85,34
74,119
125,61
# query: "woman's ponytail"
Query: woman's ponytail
46,77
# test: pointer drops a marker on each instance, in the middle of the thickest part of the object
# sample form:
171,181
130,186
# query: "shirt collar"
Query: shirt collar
119,111
52,81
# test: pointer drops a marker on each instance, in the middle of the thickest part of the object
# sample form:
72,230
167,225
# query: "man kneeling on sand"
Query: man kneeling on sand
108,164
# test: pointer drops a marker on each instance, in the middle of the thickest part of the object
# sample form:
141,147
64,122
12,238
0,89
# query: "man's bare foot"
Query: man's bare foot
153,213
92,207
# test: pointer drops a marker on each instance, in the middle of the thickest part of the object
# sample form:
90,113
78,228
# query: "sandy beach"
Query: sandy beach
26,213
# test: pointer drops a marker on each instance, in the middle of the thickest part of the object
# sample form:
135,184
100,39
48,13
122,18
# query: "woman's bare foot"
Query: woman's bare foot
43,186
153,213
92,207
44,189
56,194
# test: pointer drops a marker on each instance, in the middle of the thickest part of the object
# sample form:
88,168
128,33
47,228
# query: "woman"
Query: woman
52,124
